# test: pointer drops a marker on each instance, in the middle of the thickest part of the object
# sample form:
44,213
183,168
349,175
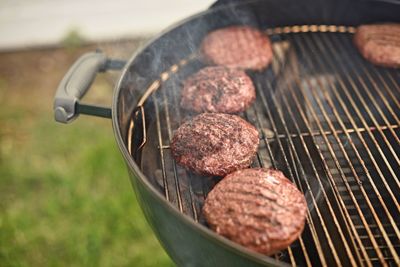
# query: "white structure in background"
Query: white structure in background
27,23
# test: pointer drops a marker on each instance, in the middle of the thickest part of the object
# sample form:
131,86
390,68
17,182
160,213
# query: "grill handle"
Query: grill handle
77,82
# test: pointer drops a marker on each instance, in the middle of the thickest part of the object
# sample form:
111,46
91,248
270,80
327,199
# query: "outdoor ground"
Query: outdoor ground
65,195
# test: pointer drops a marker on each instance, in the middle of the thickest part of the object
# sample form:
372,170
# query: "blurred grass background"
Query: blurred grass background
65,195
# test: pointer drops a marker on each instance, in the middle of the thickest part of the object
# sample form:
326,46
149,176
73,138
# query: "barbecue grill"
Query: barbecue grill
327,118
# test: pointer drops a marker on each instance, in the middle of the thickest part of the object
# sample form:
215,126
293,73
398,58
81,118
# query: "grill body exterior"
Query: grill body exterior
306,125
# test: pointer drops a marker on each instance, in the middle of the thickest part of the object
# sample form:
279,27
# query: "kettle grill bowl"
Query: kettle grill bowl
328,119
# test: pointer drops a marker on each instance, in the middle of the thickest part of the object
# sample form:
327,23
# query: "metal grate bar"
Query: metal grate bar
183,175
361,117
388,91
360,66
278,256
319,133
168,124
331,150
382,202
344,239
377,146
395,84
362,99
339,201
372,99
326,168
274,165
266,161
272,161
191,178
309,217
385,86
261,93
374,187
160,143
376,143
303,248
373,225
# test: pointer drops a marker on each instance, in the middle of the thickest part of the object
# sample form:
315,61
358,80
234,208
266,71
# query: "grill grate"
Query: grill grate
329,120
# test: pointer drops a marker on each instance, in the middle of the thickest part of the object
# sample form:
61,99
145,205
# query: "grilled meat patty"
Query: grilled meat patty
241,47
379,43
215,144
257,208
218,89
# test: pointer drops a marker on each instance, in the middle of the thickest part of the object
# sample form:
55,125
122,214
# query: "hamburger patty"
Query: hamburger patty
215,144
218,89
237,46
379,43
257,208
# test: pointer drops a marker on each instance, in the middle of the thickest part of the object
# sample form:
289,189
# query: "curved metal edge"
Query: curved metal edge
207,233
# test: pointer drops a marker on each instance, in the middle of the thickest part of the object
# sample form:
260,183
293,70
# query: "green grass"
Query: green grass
65,195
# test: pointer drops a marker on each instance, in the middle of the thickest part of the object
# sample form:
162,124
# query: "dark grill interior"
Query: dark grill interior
328,119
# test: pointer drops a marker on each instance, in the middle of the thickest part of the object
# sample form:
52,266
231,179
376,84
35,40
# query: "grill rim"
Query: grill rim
144,180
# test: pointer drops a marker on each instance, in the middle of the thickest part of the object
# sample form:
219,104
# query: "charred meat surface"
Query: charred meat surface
379,43
241,47
257,208
215,144
218,89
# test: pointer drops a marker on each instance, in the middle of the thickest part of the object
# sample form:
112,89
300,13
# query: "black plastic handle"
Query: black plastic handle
77,82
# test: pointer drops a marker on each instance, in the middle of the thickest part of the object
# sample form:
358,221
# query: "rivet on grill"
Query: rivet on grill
313,28
164,76
286,29
323,28
174,68
183,62
305,28
296,29
351,29
332,28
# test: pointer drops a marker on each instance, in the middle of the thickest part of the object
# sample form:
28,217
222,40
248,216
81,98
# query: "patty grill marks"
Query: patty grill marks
379,43
258,208
260,218
215,144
